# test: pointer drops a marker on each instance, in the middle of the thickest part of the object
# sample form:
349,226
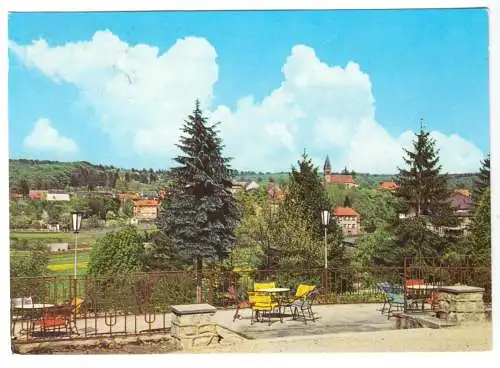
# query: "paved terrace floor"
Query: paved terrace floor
337,318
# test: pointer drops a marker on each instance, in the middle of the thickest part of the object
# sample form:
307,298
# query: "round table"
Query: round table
279,299
32,312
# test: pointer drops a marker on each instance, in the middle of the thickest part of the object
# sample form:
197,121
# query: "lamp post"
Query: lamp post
76,222
325,220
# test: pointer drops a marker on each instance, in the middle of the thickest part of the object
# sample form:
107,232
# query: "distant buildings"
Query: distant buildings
57,196
274,193
37,195
146,209
244,185
389,186
346,180
348,220
463,209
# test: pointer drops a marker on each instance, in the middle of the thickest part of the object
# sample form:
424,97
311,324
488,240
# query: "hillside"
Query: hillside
38,174
42,174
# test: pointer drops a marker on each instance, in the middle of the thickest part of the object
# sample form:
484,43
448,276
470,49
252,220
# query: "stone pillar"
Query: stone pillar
193,325
461,303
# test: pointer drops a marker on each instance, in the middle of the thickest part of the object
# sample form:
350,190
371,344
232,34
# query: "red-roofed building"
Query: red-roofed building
388,185
346,180
37,195
348,220
146,209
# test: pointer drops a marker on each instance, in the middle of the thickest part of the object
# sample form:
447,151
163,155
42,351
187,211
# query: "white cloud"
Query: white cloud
142,97
44,137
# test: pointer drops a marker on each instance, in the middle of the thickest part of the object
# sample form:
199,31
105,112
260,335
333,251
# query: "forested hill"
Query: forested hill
43,174
464,180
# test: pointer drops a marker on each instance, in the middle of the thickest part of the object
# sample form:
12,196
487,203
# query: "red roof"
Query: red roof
344,179
388,185
345,211
146,203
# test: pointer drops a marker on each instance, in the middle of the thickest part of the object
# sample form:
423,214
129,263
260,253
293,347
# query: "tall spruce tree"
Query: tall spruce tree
200,214
425,196
483,180
421,185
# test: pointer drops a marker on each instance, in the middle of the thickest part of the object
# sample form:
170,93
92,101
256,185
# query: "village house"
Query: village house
275,194
57,195
388,185
348,220
345,180
146,209
463,209
128,196
244,185
37,195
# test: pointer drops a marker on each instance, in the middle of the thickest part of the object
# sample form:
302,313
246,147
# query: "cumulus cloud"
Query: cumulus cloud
142,96
44,137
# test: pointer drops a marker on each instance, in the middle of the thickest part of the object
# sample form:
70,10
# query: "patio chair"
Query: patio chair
385,287
263,285
61,316
302,291
240,303
262,304
18,315
304,306
396,300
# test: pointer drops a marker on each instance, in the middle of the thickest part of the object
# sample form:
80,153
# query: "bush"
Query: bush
118,253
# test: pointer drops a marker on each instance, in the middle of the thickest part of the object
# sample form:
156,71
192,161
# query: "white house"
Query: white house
58,247
57,196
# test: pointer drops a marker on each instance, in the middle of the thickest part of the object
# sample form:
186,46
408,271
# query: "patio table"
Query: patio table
421,293
32,311
279,295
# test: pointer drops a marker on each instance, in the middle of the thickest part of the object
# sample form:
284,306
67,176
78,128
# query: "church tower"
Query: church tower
327,168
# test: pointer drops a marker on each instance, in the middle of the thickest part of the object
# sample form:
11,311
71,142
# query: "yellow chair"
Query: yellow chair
263,285
261,303
76,304
302,291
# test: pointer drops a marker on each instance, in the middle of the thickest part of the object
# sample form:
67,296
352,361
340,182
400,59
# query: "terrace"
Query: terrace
140,304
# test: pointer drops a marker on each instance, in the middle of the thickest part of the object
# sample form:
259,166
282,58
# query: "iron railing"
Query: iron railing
140,303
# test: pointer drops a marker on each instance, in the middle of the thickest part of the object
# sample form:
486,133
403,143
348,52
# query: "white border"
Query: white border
384,360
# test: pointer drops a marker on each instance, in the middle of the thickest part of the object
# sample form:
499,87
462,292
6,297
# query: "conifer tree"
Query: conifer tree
426,196
200,214
483,180
480,230
421,184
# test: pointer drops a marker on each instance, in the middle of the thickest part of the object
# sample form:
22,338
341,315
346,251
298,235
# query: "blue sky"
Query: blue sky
114,88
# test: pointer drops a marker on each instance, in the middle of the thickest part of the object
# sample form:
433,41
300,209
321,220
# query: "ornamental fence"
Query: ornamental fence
140,303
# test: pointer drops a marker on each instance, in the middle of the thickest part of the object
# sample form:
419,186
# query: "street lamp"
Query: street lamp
325,220
76,222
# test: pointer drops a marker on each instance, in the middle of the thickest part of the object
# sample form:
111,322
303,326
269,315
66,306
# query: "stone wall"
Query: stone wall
193,325
461,305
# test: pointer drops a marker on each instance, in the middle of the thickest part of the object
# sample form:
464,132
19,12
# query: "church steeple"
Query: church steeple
327,167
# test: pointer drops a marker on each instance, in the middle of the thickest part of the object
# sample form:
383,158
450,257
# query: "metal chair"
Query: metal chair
303,306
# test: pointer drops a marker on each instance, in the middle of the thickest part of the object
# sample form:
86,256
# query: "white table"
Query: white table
35,309
423,287
274,290
278,299
33,306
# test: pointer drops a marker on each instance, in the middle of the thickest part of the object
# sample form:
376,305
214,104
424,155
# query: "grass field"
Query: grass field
84,238
61,264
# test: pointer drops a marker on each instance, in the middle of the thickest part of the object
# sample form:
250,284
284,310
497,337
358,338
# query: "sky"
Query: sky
115,88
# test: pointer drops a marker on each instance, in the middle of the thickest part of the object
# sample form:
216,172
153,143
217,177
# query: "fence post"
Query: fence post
404,285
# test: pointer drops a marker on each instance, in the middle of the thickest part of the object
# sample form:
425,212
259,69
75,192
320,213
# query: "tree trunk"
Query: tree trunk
199,278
